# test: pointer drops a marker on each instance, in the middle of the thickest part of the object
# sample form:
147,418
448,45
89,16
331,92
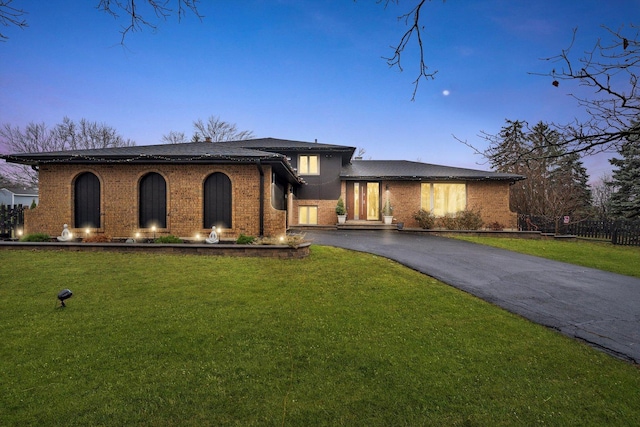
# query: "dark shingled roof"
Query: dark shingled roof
24,191
403,170
144,153
192,152
286,144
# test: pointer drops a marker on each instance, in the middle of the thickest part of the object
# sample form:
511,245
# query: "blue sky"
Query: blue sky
305,70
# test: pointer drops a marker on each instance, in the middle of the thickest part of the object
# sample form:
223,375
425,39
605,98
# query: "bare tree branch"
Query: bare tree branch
137,21
213,130
412,19
218,130
611,70
68,135
11,16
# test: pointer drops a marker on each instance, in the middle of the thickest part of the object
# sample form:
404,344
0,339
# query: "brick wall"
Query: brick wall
119,199
326,211
490,197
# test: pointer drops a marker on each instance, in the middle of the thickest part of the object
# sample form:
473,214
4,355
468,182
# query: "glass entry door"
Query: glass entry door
363,200
373,201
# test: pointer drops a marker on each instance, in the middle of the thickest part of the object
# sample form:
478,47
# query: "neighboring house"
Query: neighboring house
10,196
255,187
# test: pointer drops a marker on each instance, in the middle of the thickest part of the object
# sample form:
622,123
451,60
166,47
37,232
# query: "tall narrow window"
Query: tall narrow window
87,201
153,201
217,201
308,165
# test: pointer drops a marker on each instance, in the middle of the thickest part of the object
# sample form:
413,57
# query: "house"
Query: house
255,187
11,196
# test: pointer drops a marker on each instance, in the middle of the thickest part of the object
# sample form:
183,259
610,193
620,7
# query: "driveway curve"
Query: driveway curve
600,308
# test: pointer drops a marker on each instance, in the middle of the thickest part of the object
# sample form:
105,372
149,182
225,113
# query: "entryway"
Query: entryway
363,201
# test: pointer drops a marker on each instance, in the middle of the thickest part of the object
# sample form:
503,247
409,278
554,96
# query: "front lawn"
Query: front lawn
339,338
603,256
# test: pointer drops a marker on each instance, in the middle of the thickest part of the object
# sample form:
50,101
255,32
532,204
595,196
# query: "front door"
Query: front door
363,201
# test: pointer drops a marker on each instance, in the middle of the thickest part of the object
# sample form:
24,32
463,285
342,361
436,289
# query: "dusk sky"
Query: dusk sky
305,70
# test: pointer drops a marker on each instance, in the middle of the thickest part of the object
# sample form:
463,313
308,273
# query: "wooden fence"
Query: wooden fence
11,220
618,232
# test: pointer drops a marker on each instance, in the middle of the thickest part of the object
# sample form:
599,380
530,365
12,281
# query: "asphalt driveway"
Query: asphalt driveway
600,308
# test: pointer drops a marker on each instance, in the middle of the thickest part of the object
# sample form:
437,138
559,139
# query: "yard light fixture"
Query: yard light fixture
87,231
153,228
197,236
63,295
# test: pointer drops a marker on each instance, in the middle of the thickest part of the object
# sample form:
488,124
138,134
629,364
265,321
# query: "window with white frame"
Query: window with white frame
308,165
443,198
308,215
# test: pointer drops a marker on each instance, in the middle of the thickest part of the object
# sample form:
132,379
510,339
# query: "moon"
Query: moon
446,92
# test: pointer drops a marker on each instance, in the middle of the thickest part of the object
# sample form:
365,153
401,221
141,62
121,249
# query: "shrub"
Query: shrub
97,238
168,239
245,240
463,220
388,209
293,240
36,237
425,219
496,226
340,209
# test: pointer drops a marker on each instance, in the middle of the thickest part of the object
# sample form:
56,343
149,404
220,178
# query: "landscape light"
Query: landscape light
63,295
87,231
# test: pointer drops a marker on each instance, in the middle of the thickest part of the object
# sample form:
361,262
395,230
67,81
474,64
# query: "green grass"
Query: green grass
339,338
603,256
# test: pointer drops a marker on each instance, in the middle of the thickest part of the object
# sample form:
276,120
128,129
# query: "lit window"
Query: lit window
308,215
309,165
443,199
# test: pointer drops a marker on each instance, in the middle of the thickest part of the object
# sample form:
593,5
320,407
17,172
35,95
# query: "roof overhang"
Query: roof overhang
451,178
278,162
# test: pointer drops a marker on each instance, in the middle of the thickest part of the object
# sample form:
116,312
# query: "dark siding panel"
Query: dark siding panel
325,186
153,201
87,201
217,201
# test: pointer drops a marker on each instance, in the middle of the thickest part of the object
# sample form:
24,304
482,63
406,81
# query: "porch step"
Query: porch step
366,225
349,225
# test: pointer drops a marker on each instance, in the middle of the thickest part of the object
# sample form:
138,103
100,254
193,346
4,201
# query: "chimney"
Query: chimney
207,139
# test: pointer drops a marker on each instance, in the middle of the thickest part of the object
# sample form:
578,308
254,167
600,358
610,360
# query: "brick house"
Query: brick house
254,187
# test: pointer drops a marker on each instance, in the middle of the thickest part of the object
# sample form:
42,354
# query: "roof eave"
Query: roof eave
429,178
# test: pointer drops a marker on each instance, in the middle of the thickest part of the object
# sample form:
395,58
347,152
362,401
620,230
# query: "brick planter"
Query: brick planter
263,251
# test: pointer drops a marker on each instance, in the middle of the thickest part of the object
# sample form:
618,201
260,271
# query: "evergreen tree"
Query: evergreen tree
556,183
625,200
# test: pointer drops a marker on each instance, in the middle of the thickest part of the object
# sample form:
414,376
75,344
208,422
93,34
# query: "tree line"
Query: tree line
85,135
557,183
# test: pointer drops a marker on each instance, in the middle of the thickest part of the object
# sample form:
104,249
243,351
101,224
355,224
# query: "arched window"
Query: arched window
153,201
87,201
217,201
